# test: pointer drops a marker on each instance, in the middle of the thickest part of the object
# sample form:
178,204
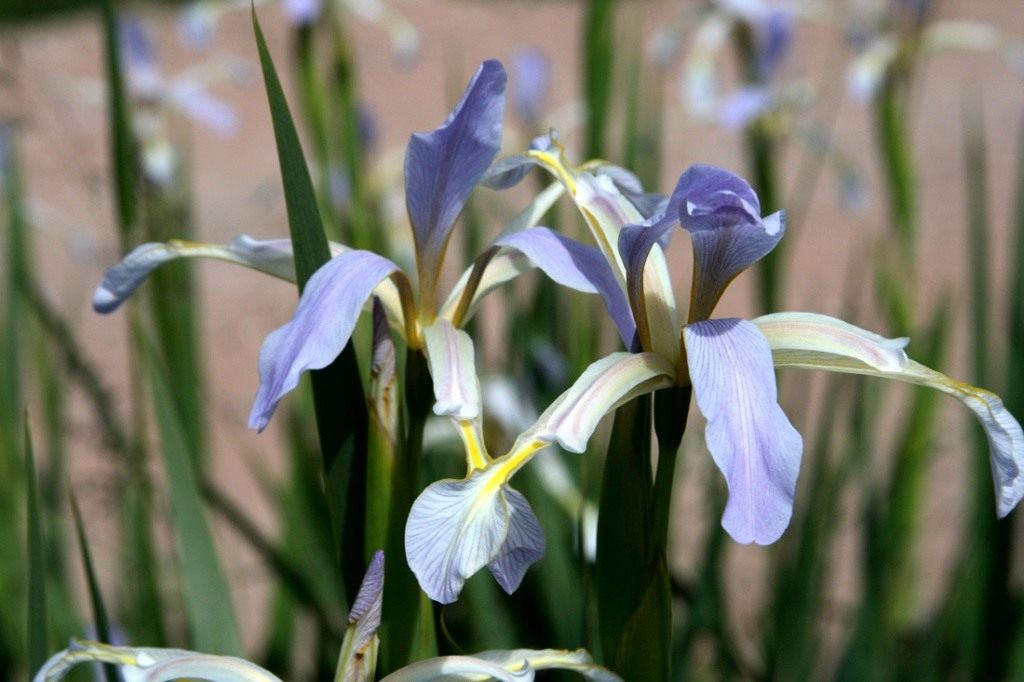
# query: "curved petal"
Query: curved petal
326,315
523,546
273,257
611,381
443,166
812,341
750,438
516,664
452,367
455,528
578,660
577,266
147,664
457,668
366,610
723,215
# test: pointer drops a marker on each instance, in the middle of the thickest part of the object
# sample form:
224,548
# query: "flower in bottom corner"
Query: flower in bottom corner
357,661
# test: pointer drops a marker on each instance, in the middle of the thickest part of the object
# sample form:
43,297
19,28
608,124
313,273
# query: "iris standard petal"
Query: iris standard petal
455,528
326,315
722,214
812,341
523,546
453,370
750,438
443,166
577,266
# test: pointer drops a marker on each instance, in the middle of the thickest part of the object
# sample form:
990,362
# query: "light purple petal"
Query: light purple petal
443,166
532,77
635,244
745,106
577,266
366,610
323,323
723,216
775,37
523,546
750,438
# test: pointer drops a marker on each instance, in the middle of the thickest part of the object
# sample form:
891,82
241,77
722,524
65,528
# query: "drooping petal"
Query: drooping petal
443,166
273,257
147,664
523,546
324,319
723,215
453,369
577,266
751,440
551,659
457,668
455,528
812,341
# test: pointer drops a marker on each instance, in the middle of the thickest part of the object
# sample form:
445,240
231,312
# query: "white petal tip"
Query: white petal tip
105,301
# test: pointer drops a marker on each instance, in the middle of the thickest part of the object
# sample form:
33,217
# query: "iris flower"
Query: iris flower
730,362
458,526
358,660
442,168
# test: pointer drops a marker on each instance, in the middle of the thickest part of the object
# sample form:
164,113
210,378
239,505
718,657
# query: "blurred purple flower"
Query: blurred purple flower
532,76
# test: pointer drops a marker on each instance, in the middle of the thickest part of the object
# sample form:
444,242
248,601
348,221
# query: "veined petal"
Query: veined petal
524,544
611,381
358,659
815,341
454,529
457,668
452,367
577,266
751,440
443,166
723,215
578,661
146,664
323,323
273,257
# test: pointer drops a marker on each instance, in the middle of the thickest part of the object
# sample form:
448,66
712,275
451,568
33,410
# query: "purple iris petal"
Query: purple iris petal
745,106
323,323
577,266
635,244
532,77
774,36
751,440
723,216
523,546
443,166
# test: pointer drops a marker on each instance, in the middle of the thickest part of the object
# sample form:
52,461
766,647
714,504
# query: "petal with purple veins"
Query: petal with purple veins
322,326
750,438
523,546
443,166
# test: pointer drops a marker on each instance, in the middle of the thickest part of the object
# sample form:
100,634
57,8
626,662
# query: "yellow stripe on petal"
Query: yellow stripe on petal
811,341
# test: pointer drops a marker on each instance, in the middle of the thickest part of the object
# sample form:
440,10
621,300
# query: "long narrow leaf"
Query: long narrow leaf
340,403
120,126
99,609
207,599
38,646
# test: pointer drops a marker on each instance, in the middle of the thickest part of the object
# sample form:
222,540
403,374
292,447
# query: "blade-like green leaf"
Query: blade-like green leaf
624,539
599,50
207,598
38,645
339,399
121,152
99,609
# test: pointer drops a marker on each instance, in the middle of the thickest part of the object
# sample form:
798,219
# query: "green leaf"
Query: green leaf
207,598
99,609
38,644
599,50
338,396
121,139
624,542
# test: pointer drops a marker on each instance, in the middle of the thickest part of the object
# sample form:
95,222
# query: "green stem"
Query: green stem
671,407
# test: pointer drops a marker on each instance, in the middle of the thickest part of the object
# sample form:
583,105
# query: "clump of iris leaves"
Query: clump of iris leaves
385,529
